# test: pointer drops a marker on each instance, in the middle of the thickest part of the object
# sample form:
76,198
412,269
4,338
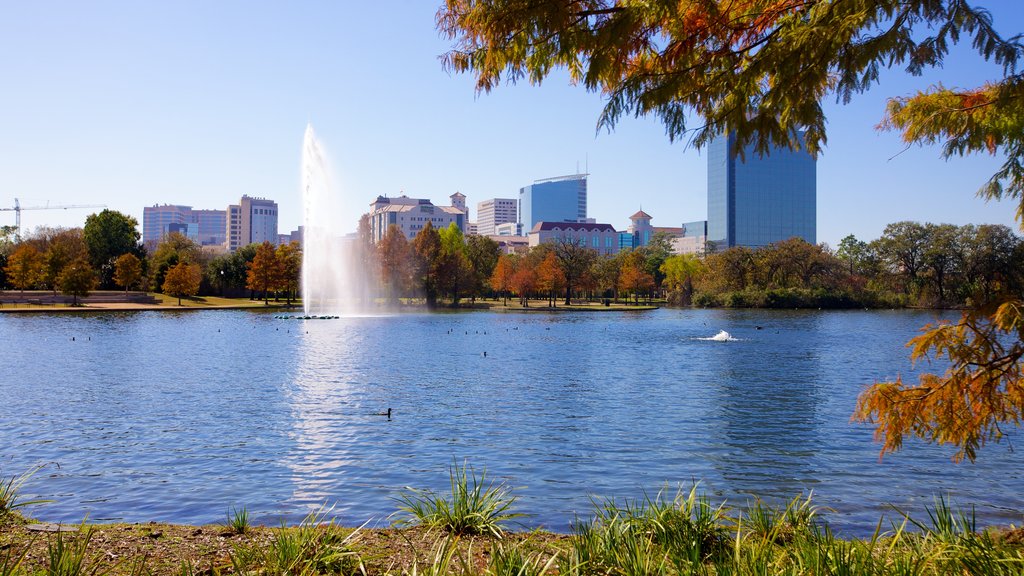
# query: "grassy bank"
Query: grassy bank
464,532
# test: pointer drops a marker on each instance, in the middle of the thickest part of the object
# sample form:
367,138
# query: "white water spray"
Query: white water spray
332,280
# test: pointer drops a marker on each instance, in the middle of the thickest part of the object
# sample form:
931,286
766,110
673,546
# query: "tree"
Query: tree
680,271
265,271
939,258
77,279
426,248
575,260
524,281
64,247
455,273
482,253
853,252
127,271
902,246
754,67
183,280
501,278
550,278
173,249
633,278
395,257
24,267
108,235
290,258
229,272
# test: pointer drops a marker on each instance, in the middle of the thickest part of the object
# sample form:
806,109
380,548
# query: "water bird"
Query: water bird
759,327
388,414
485,353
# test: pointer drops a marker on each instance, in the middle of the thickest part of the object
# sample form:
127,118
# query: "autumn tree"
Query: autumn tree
501,277
395,257
127,271
634,279
64,247
524,281
172,250
182,280
24,267
265,271
575,259
550,277
77,279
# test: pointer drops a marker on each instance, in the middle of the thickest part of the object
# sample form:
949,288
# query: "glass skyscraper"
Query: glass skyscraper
553,200
757,200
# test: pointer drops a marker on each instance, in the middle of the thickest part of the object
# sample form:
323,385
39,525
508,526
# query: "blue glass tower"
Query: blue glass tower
758,200
553,200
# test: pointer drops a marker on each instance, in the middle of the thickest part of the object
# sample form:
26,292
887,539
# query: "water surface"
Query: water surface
179,417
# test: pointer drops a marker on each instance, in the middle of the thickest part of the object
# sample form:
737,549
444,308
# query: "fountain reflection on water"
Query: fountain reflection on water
331,278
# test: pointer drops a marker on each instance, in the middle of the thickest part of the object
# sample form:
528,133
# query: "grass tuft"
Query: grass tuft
315,546
10,491
474,507
238,521
68,555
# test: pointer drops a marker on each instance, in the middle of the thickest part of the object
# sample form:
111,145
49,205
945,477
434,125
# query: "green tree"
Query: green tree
902,246
228,272
455,272
939,258
182,280
482,253
24,267
108,235
127,271
77,279
853,252
680,271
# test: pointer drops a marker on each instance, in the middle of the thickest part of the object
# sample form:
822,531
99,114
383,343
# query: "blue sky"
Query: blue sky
130,104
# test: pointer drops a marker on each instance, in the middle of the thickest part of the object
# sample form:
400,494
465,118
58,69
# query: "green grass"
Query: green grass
68,555
316,546
238,521
474,506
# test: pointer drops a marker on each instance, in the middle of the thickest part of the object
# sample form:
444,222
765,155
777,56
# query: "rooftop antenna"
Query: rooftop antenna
586,167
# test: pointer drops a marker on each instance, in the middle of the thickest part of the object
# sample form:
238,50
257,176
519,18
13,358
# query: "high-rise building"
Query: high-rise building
561,199
204,227
756,200
494,212
252,220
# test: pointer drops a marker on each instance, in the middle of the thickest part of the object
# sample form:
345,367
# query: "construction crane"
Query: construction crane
18,208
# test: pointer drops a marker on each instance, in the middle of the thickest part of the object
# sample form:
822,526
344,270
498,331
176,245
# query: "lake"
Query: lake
180,417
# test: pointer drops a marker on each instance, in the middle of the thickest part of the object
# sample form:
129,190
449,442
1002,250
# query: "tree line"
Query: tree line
911,264
107,254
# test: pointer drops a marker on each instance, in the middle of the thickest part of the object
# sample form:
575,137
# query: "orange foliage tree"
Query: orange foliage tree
501,278
182,280
550,278
265,271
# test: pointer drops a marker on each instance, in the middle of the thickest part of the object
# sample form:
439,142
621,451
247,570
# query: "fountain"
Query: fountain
332,282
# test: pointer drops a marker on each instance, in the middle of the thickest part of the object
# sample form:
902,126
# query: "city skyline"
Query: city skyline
132,105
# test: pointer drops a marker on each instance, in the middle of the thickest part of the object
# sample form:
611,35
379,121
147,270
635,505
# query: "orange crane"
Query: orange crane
18,208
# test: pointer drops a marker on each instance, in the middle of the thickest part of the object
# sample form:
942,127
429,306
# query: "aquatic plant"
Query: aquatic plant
473,507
